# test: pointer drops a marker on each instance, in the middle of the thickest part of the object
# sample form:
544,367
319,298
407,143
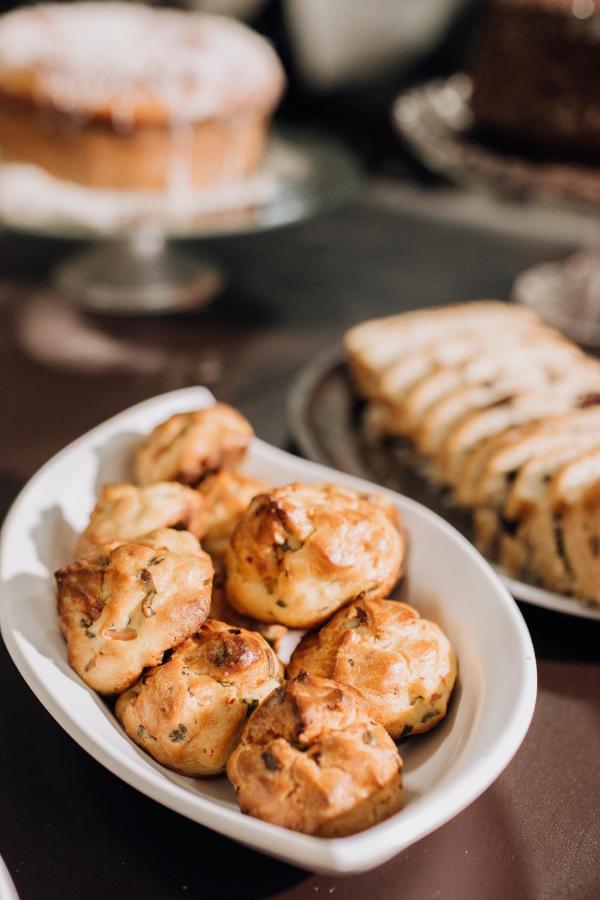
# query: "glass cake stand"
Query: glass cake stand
436,121
133,264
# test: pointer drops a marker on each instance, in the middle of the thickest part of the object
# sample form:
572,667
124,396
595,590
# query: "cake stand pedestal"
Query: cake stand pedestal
566,294
140,274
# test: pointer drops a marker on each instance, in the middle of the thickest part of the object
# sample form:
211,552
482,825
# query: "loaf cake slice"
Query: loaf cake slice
499,472
528,490
506,413
560,535
527,360
581,388
449,411
373,346
580,524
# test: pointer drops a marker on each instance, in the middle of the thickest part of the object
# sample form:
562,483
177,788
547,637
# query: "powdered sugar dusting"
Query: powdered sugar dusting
96,57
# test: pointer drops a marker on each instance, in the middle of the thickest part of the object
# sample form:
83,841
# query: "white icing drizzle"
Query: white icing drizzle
118,58
32,199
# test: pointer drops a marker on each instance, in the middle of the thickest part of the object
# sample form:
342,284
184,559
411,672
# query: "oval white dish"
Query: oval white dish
448,581
8,890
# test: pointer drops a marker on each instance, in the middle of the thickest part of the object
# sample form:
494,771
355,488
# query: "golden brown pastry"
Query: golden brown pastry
403,665
190,446
311,759
125,512
124,605
302,551
222,610
226,495
188,713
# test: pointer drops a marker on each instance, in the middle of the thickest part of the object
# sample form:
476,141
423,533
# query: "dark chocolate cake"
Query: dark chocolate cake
536,77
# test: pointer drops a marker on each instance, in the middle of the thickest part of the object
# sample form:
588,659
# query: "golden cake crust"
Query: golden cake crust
134,65
124,96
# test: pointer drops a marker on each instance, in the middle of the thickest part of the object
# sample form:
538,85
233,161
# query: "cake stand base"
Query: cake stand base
566,295
138,275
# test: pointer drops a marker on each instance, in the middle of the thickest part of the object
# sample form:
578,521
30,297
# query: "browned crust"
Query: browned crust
123,606
300,552
190,446
311,759
226,497
402,665
189,712
125,512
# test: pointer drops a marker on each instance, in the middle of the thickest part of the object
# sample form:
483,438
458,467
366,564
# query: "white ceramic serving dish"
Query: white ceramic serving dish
448,581
7,887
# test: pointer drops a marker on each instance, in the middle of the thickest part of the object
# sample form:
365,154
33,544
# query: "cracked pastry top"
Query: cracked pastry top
124,605
311,759
302,551
188,713
190,446
124,512
403,665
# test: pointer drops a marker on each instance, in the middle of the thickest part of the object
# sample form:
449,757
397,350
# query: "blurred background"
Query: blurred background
423,152
346,60
392,193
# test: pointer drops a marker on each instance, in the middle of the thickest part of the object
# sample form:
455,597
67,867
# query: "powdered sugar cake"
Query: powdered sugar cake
122,95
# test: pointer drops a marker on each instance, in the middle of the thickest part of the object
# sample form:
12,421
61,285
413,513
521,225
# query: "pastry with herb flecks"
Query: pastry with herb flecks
403,665
312,759
226,496
302,551
123,606
125,512
189,712
190,446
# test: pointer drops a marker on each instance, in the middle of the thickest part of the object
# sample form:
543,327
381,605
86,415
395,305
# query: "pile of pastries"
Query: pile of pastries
182,589
503,412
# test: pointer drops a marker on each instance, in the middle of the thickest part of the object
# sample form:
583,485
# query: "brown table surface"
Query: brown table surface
71,829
